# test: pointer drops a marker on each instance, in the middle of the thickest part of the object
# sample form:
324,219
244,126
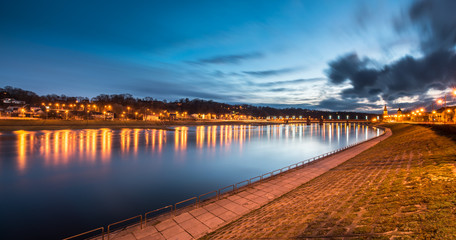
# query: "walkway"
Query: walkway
196,223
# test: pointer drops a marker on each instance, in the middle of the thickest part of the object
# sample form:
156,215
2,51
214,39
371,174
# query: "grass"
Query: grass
420,198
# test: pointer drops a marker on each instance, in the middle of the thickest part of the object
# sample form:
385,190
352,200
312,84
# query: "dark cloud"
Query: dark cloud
343,105
436,23
230,59
270,72
408,76
345,67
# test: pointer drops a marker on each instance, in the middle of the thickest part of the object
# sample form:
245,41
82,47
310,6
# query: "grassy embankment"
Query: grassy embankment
402,188
12,125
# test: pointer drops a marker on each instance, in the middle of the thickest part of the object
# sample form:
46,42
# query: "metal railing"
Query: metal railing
252,179
185,201
84,233
232,188
125,220
200,197
220,191
241,184
156,211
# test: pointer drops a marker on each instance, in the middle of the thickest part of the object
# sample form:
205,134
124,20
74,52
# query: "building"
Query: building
385,114
12,101
399,116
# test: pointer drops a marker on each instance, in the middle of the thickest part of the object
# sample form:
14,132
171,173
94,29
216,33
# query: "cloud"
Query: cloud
268,73
436,23
344,105
289,82
167,90
230,59
408,76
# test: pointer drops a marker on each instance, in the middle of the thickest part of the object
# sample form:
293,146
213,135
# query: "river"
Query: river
54,184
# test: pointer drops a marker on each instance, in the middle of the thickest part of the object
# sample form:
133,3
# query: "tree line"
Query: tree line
194,106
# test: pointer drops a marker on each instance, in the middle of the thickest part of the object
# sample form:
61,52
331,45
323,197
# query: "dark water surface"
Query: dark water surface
54,184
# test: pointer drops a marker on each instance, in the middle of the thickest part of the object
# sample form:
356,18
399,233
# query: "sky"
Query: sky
327,54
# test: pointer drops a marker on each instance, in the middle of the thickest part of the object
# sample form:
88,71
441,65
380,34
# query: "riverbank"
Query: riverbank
191,223
404,187
32,125
52,124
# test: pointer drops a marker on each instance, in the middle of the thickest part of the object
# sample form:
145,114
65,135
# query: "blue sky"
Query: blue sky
256,52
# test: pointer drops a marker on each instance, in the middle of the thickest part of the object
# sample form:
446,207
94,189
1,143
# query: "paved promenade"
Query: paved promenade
197,222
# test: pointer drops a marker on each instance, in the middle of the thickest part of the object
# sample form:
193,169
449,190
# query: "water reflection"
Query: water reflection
59,147
134,170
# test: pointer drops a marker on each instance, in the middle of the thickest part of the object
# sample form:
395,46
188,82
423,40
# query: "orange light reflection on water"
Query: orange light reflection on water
60,147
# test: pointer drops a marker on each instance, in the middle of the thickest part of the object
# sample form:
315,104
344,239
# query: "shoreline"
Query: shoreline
38,124
213,214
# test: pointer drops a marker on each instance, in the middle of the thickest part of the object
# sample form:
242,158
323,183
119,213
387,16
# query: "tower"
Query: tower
399,111
385,112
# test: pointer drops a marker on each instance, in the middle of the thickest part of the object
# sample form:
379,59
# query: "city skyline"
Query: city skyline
327,55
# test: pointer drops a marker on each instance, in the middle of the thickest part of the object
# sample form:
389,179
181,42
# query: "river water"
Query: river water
55,184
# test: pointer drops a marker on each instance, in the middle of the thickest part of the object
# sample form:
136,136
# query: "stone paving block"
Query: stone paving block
257,193
165,224
250,205
181,236
183,217
259,186
205,216
251,196
241,201
198,211
269,196
219,210
156,236
213,223
146,231
243,194
234,197
228,216
251,190
236,208
125,237
268,189
194,227
172,231
223,202
211,206
289,186
260,200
